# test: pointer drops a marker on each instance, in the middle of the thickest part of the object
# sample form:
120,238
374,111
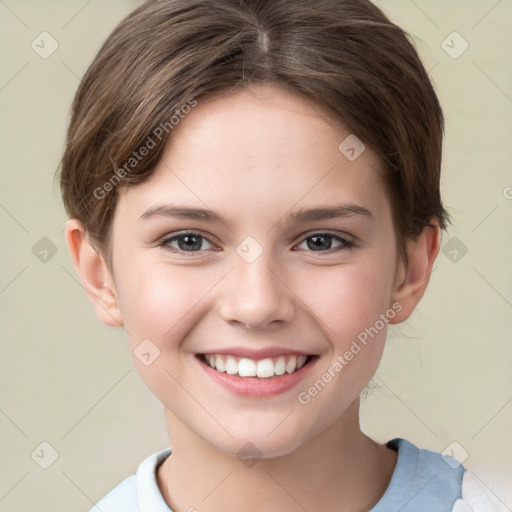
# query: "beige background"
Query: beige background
68,380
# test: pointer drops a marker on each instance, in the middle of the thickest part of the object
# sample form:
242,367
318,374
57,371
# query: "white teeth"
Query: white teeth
291,364
280,366
231,365
219,364
263,368
246,368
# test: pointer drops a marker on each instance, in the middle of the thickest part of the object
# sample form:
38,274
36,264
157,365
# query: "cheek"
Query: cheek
157,300
347,299
349,304
159,304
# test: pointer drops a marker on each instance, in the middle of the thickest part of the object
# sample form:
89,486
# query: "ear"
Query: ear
94,274
413,277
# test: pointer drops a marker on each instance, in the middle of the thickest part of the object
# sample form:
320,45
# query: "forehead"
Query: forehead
261,150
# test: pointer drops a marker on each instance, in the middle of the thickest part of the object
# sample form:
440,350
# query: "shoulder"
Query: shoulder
428,470
475,498
422,481
139,492
122,498
425,480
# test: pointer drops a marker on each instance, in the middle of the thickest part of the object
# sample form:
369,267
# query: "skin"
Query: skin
255,174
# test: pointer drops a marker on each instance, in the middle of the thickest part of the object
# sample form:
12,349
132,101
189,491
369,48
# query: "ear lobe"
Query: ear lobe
416,274
94,274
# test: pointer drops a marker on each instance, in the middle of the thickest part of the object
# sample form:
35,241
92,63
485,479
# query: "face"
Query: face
259,282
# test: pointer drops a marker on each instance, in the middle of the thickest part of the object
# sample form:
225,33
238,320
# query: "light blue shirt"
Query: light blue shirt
423,481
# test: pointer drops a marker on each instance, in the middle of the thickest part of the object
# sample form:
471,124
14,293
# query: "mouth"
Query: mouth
267,368
256,378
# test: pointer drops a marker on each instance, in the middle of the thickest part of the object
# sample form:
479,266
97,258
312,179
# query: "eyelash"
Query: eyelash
345,243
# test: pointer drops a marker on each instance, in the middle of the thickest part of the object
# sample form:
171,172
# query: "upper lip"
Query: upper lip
257,354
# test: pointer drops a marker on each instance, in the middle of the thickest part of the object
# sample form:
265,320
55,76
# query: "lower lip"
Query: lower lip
257,386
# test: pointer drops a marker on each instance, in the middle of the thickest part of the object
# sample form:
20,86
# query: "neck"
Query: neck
339,469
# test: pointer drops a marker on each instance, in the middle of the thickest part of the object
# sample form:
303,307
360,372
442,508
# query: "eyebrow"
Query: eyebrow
302,215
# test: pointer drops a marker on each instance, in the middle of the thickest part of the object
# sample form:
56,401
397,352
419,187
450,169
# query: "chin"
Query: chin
253,443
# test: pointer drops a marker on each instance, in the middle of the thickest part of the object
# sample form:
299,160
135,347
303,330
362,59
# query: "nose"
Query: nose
255,294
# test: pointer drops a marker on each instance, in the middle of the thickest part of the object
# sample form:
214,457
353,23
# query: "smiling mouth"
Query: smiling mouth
263,368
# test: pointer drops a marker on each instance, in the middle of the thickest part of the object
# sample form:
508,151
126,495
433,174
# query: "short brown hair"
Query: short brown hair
345,55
